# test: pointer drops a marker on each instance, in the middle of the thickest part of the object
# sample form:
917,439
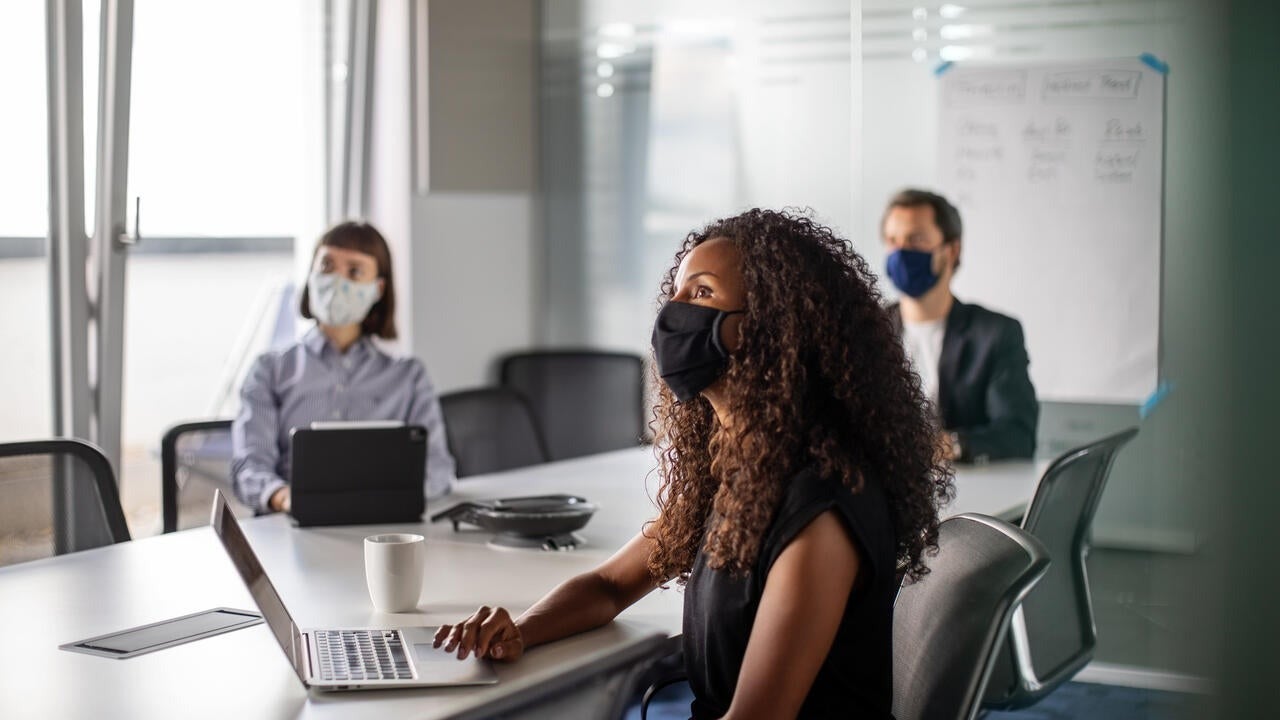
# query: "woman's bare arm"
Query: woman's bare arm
581,603
800,611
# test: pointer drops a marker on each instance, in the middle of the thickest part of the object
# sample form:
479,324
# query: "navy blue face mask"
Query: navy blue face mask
911,271
688,349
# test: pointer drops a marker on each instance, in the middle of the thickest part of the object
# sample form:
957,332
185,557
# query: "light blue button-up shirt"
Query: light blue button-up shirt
309,381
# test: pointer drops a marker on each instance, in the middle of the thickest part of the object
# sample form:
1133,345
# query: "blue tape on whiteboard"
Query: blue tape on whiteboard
938,71
1154,399
1155,63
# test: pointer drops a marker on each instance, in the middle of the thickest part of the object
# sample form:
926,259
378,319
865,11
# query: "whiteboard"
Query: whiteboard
1057,171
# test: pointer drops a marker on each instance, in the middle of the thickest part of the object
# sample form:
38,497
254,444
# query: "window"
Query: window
24,217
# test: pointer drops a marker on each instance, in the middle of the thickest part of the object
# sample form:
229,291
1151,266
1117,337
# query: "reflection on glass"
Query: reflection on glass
659,117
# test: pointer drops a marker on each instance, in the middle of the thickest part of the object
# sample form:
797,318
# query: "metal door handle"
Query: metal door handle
123,237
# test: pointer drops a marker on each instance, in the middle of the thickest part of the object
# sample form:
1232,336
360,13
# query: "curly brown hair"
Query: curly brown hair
829,385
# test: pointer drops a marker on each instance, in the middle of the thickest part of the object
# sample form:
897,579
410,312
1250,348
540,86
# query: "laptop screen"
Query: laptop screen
255,578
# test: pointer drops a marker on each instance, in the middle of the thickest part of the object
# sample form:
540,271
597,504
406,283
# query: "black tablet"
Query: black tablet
358,474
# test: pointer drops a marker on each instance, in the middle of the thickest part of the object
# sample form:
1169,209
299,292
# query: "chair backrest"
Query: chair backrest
199,450
56,496
585,402
490,429
948,625
1055,627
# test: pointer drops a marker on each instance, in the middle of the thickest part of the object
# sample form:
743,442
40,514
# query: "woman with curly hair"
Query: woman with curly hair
800,481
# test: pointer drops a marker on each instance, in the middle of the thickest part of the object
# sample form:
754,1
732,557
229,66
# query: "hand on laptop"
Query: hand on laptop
488,633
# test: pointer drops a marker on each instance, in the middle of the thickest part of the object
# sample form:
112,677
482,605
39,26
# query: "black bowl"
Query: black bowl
531,517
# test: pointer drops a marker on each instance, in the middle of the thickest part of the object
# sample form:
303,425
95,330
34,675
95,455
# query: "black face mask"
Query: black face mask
687,346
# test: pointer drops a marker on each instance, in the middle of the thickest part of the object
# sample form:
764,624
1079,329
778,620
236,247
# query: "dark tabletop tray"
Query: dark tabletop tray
536,516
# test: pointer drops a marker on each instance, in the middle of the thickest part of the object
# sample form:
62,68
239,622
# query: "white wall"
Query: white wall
389,200
464,260
390,165
474,260
473,274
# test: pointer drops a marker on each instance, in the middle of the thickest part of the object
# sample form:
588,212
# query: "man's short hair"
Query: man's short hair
945,214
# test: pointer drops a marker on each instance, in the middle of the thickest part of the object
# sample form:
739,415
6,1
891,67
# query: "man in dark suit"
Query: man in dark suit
972,361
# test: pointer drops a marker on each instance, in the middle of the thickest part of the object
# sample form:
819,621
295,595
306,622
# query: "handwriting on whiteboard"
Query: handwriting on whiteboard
1045,146
1057,170
1090,85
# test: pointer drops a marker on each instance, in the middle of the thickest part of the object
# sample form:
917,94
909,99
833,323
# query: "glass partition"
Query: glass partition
226,153
659,117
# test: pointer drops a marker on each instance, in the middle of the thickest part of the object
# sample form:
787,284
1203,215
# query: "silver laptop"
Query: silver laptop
345,658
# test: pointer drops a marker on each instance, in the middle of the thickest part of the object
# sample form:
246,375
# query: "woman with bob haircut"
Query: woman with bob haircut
800,481
335,372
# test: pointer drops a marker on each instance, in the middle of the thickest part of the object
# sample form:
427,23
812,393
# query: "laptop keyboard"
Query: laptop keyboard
358,655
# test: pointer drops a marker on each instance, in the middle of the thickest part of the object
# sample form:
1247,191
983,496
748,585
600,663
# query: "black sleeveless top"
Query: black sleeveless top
856,678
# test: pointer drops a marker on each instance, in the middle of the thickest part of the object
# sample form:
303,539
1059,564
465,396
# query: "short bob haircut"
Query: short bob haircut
365,238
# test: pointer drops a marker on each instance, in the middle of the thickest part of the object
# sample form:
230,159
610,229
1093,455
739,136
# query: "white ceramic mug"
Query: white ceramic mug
393,565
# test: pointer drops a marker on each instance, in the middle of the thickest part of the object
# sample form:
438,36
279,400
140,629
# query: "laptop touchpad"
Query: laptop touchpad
428,652
437,666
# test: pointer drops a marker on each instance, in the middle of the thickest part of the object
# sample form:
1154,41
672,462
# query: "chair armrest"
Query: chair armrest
657,687
169,466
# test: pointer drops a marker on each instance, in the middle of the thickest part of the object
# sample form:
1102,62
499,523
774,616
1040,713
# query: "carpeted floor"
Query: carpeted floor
1071,701
1104,702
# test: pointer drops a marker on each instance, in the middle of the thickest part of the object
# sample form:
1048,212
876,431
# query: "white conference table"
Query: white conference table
319,573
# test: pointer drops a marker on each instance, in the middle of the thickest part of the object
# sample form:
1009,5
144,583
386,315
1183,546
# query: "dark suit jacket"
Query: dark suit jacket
984,393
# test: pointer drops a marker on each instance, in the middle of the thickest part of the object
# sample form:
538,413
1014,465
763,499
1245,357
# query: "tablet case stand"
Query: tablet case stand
358,476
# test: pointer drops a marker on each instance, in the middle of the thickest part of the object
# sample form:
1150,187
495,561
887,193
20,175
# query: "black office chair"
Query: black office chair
1052,634
58,496
585,402
948,626
490,429
199,450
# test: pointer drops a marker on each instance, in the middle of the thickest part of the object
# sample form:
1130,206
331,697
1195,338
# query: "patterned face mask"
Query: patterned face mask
337,301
